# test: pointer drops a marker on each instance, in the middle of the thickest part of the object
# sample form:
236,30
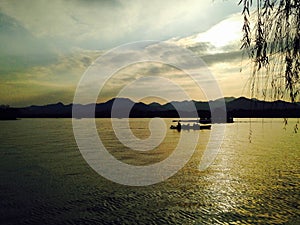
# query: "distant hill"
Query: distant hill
244,107
236,107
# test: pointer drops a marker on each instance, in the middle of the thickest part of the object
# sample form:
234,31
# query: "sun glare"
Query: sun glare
223,33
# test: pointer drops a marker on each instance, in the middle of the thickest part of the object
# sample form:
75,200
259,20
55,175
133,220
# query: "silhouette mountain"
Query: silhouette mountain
244,107
124,107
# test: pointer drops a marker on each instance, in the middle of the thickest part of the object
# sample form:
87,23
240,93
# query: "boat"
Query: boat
207,120
195,126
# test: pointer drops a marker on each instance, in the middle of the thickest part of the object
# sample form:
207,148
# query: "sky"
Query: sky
46,46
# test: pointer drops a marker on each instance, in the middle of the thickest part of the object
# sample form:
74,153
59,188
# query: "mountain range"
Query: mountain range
235,107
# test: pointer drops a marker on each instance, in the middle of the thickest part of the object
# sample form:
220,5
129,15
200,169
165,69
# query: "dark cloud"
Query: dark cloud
201,48
222,57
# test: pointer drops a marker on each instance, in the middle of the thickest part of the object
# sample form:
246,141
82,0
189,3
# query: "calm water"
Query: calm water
254,180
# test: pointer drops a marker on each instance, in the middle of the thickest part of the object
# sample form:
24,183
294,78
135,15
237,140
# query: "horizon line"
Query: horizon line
204,101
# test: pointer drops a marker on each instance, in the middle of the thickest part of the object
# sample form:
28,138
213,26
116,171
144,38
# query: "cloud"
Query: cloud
19,49
201,47
219,48
46,84
226,32
218,44
104,24
222,57
45,50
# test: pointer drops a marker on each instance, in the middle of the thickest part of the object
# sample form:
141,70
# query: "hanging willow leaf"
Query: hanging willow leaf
273,46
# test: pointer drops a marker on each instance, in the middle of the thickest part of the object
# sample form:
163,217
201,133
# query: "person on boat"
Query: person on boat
178,125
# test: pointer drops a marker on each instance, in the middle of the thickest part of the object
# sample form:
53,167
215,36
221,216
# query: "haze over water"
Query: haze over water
254,180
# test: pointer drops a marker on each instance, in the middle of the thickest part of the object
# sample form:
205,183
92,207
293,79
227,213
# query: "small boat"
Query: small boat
195,126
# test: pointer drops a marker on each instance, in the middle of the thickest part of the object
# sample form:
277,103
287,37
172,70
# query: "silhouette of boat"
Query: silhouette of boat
195,126
207,120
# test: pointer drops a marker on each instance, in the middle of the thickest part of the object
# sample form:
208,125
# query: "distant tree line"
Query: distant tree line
4,106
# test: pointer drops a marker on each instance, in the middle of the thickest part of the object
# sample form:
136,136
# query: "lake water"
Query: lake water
254,179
